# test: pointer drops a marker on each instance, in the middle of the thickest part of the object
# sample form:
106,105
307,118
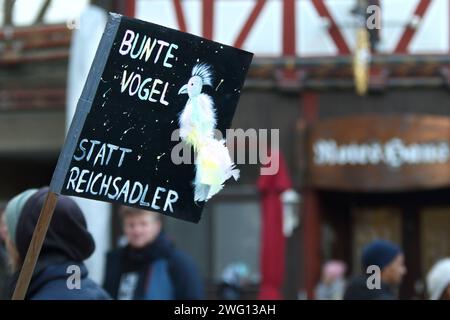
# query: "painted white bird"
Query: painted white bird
197,123
198,118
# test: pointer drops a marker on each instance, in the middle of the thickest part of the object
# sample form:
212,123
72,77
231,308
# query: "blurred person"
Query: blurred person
332,283
234,279
5,272
438,280
390,260
149,267
59,273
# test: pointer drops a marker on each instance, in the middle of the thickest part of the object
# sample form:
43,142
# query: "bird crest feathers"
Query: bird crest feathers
204,71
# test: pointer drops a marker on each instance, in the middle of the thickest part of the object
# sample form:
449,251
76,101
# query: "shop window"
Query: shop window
435,235
370,223
236,236
228,232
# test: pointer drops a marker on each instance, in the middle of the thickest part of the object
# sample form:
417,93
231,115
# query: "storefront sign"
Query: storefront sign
378,153
394,153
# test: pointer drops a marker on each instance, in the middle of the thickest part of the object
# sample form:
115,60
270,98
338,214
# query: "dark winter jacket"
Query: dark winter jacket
67,244
158,271
56,278
357,289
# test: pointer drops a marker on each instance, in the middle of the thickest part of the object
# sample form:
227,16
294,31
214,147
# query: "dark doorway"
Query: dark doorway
418,221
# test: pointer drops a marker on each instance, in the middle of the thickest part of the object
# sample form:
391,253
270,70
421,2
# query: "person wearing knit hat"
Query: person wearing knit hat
11,217
5,270
379,253
66,245
388,258
67,234
438,280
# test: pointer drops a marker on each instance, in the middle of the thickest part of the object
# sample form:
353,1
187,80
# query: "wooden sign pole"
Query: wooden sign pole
35,246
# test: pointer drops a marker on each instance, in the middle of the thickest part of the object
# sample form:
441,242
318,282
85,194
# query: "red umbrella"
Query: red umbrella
273,240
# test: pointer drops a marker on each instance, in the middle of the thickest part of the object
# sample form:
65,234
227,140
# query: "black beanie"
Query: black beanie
379,253
67,234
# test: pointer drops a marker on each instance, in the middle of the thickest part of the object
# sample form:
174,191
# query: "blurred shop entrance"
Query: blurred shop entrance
385,176
417,221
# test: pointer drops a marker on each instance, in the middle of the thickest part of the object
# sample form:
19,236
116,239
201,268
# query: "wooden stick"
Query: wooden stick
35,246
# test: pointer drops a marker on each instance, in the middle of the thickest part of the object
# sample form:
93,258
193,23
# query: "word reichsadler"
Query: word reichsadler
114,187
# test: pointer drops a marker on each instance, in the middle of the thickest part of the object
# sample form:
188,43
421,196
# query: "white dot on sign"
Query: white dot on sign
198,60
160,156
167,180
176,58
104,95
221,80
125,132
216,51
221,47
156,120
185,64
171,121
103,104
125,112
139,157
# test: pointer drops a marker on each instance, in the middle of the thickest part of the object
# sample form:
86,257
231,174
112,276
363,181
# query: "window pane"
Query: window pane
236,236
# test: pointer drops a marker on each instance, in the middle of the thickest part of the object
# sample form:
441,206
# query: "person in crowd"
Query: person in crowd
438,280
332,283
383,267
60,273
149,266
5,272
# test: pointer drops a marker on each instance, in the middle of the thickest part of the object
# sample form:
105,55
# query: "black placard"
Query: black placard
119,145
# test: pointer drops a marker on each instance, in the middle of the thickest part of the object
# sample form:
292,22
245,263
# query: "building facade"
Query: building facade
365,165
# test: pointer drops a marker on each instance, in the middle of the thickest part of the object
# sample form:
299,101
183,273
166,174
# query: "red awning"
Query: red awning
273,241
